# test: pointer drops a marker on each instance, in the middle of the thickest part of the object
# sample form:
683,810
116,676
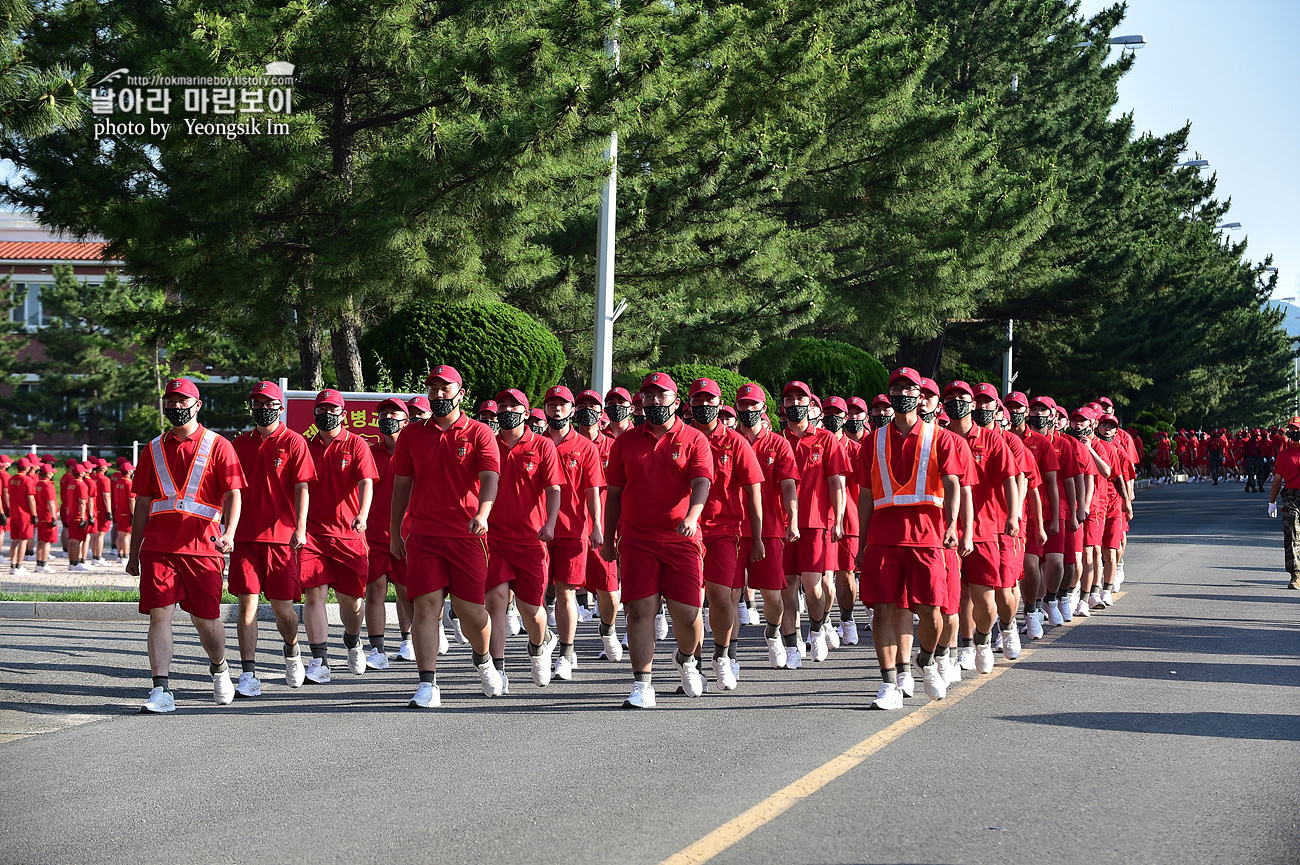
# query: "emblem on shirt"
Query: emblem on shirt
343,463
677,454
530,465
573,462
279,461
770,459
817,456
722,458
461,452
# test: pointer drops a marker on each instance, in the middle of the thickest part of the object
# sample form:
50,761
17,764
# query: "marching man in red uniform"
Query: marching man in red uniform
393,418
123,504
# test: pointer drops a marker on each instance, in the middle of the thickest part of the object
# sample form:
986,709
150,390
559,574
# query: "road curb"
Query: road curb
126,611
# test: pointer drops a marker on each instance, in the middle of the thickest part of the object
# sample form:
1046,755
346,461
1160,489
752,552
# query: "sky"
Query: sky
1233,70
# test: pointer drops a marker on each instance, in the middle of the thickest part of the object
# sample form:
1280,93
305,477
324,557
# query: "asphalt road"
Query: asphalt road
1165,729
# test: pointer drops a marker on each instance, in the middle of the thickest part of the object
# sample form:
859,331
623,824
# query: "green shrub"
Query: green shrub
493,345
829,368
683,374
970,374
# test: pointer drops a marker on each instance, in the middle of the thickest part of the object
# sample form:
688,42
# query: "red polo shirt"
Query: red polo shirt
580,460
378,531
103,492
527,469
655,475
273,465
776,460
1023,460
993,465
186,534
340,466
852,489
445,466
819,457
73,499
1287,466
19,489
908,525
44,500
734,468
122,492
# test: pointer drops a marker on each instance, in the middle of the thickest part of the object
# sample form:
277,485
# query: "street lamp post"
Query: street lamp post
602,356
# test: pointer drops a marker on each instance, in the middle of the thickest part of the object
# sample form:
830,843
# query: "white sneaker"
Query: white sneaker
294,672
541,662
623,640
17,572
1107,598
793,659
984,659
803,605
995,640
1081,609
742,615
1034,626
1095,602
584,614
642,696
563,668
356,660
158,702
804,646
249,686
318,672
223,690
444,645
613,648
849,633
1119,573
723,675
832,635
821,646
407,651
514,624
966,658
426,697
1066,605
936,686
692,681
775,652
735,669
661,625
458,633
102,562
505,683
550,617
377,660
949,670
708,625
888,697
44,569
1011,645
82,566
446,613
490,677
1054,613
907,684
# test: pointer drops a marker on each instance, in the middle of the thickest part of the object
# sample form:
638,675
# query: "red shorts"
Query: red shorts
47,533
1012,564
983,567
951,605
523,566
569,561
810,554
721,553
75,530
673,569
21,528
338,562
1056,543
103,523
1091,530
766,573
907,576
434,563
846,554
1029,533
257,566
193,581
382,564
1073,543
602,576
1112,533
122,522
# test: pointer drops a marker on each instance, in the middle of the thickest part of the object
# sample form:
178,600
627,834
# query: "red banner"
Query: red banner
359,416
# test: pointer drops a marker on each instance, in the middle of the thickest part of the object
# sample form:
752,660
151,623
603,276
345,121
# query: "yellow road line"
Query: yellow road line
784,799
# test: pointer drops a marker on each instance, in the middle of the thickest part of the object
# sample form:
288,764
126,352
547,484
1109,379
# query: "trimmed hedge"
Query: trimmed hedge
683,374
829,368
493,345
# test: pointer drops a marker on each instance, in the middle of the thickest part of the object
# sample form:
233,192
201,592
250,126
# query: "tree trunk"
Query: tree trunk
906,351
931,354
344,336
311,348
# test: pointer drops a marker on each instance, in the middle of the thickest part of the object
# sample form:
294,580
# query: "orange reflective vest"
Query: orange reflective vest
924,487
188,501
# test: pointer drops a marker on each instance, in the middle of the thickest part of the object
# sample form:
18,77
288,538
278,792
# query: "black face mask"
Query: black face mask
638,419
983,416
328,422
903,404
510,419
1039,422
929,416
180,416
390,425
1017,418
833,423
1293,435
265,416
854,425
586,416
957,408
750,418
796,413
879,421
1106,436
616,413
442,407
492,425
658,414
557,423
538,427
704,414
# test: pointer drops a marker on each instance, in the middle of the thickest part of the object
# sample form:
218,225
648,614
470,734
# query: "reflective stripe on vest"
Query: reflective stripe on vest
188,502
885,496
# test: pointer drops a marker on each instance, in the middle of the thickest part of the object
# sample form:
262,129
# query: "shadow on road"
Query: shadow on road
1279,728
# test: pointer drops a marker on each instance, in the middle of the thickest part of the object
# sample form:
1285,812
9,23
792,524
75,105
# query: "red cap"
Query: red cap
101,462
943,418
929,385
443,373
1043,401
592,395
119,460
70,462
512,396
816,400
726,410
1084,412
329,396
128,466
181,387
752,392
857,403
5,459
905,374
1294,423
268,389
705,386
1016,398
636,400
1109,418
536,414
23,463
986,389
1106,403
393,404
419,403
797,386
881,401
835,402
1060,411
958,387
619,392
487,405
47,470
660,380
558,392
